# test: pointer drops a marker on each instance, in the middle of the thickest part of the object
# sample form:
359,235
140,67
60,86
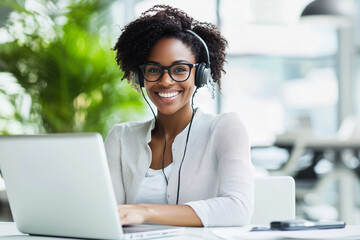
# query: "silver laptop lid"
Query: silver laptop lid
60,185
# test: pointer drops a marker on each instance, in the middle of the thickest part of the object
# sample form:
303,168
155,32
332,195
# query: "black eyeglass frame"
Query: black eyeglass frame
142,68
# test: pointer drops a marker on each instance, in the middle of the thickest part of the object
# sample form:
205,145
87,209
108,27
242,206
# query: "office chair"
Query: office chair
274,199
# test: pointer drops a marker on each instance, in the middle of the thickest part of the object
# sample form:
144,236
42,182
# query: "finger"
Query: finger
125,206
124,220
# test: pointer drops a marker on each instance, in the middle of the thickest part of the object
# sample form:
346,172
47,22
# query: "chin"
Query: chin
168,110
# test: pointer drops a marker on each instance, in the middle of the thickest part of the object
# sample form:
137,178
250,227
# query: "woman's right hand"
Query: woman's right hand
132,213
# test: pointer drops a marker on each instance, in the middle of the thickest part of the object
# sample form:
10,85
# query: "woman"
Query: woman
184,167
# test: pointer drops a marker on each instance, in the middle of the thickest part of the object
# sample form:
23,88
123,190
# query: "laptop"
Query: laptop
60,185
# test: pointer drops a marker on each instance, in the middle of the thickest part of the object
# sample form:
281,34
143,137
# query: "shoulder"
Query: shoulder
222,124
229,117
132,128
229,126
215,121
226,121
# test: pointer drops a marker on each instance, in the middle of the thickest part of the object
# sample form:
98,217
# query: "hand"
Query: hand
132,213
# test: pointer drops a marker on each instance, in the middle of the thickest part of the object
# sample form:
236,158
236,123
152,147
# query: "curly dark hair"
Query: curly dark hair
139,37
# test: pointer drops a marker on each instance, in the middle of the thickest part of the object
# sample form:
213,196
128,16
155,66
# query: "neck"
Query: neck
173,124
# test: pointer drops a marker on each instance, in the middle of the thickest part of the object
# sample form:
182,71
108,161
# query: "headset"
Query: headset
202,77
202,74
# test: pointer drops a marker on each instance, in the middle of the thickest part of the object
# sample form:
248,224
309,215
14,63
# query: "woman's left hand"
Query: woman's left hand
132,213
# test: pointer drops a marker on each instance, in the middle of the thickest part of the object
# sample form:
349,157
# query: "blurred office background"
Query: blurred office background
292,74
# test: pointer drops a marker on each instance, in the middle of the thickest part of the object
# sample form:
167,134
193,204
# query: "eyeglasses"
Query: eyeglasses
179,72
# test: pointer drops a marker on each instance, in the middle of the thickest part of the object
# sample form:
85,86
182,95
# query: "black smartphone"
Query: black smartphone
301,224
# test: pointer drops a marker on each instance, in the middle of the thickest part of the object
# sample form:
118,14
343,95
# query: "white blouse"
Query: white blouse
217,176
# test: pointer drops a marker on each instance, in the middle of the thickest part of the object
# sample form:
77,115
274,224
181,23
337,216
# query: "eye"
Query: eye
153,70
180,69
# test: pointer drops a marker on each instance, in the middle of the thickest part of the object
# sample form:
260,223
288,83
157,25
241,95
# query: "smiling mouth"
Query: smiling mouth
168,95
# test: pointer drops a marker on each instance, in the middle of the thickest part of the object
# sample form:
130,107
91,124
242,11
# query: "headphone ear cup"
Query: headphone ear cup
202,75
139,78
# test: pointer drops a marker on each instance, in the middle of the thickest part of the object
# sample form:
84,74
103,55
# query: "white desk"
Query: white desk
8,231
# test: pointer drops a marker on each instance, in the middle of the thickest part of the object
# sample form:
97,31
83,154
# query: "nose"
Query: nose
165,79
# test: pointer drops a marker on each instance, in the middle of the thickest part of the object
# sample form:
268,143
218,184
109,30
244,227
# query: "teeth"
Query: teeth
168,95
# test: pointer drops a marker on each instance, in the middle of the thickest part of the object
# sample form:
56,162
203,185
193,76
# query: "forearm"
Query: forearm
178,215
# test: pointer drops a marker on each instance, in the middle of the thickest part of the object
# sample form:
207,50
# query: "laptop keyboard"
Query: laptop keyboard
143,228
